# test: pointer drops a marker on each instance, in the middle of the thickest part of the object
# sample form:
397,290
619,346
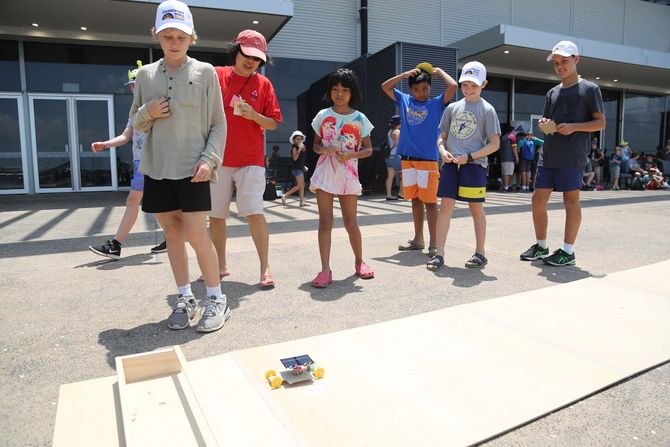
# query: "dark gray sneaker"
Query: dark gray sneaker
183,312
534,252
560,258
110,249
214,315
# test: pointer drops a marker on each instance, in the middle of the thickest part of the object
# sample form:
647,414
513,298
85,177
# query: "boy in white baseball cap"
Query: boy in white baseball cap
469,132
573,110
178,104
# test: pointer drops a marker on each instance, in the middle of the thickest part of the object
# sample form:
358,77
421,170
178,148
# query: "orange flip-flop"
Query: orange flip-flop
268,281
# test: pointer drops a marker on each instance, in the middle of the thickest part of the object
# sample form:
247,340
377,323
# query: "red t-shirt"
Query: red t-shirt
244,141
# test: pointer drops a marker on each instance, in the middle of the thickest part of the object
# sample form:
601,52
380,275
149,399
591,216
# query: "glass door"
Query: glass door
93,118
63,128
13,161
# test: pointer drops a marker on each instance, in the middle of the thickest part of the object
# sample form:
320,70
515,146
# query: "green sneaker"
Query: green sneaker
560,258
534,252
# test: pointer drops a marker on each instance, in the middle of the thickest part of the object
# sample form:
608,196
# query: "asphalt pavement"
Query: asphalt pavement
68,312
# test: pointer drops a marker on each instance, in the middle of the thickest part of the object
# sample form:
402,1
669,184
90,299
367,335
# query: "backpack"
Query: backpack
527,150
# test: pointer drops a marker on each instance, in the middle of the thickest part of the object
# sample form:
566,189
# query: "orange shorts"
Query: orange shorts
420,180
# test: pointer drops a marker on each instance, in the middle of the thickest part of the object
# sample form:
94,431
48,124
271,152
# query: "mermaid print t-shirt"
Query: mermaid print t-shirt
345,132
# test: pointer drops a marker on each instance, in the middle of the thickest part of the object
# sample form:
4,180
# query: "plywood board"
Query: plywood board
451,377
157,402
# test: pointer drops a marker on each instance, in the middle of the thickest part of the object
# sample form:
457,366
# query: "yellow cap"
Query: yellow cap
425,66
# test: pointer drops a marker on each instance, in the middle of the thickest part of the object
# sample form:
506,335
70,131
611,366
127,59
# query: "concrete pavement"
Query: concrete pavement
75,312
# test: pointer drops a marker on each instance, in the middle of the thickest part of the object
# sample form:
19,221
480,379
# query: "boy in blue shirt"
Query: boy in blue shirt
417,146
470,131
573,109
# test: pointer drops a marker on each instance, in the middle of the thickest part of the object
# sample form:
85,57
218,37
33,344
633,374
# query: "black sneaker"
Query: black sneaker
560,258
160,248
534,252
110,249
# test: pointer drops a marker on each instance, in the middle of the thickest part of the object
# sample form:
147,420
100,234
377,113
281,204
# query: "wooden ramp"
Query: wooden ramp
451,377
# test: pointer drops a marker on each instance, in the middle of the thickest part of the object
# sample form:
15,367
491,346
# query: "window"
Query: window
643,121
10,80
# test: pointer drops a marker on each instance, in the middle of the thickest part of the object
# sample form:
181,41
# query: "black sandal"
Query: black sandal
436,263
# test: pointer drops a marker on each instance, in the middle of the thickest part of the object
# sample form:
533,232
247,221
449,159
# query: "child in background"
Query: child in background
178,104
340,131
112,249
298,167
417,146
470,131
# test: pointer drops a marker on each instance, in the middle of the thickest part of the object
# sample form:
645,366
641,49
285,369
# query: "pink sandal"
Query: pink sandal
322,280
364,271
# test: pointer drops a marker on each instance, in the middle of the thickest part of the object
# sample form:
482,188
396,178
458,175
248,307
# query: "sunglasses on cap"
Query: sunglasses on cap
253,58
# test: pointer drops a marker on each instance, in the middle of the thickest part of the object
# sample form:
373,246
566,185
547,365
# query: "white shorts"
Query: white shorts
507,167
249,181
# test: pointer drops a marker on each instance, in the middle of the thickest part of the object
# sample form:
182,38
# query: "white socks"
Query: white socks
568,248
185,290
215,292
542,244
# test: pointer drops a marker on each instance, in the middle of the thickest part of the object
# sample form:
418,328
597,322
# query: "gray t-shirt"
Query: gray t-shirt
469,125
575,104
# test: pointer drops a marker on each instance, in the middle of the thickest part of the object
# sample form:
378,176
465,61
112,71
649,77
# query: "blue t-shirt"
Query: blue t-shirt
419,122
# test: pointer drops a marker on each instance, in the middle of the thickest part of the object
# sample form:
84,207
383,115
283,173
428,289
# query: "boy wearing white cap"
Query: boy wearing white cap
298,167
470,131
178,104
573,109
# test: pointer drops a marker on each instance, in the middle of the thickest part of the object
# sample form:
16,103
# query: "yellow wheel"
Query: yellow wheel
270,374
276,381
319,372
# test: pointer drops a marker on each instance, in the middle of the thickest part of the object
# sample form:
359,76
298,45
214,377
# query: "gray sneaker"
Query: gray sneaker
214,315
183,312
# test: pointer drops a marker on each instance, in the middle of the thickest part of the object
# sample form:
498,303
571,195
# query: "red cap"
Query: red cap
252,43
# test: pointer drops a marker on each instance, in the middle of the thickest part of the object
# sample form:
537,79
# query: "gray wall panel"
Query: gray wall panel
320,30
462,19
544,15
641,17
398,20
600,20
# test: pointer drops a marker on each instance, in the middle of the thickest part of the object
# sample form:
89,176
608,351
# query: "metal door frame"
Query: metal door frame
22,139
71,103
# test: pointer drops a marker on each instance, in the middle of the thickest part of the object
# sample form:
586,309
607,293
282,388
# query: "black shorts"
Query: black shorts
162,196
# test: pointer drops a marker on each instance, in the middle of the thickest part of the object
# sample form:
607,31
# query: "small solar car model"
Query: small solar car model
298,369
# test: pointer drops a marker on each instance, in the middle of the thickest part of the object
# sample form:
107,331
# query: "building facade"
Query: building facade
61,82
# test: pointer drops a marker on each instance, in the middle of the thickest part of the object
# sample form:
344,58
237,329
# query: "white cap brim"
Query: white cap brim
176,25
129,82
470,78
560,53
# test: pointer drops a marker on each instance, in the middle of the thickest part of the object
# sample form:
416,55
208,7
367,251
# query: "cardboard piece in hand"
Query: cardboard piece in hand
548,128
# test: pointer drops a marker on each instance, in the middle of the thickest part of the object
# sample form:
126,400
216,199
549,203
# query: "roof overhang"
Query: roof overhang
129,21
633,68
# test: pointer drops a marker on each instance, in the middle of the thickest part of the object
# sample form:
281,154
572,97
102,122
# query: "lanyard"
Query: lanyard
243,86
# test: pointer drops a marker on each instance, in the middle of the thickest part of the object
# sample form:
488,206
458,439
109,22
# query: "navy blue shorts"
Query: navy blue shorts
466,183
298,172
559,179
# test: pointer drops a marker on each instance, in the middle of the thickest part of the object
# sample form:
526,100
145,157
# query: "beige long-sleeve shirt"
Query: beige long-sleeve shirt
196,127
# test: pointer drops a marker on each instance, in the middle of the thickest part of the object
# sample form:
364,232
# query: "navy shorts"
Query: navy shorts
559,179
162,196
466,183
298,172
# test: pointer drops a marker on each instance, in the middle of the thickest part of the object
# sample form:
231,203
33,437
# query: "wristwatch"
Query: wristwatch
469,158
